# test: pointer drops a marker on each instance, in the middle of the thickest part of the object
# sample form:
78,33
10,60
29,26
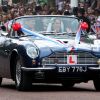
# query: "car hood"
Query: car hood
48,47
45,47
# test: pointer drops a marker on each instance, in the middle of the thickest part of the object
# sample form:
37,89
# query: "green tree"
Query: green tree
42,1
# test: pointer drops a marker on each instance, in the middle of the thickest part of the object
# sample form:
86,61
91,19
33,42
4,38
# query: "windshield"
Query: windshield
50,24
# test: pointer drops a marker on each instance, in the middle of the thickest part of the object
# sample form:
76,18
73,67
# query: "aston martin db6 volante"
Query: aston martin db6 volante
48,49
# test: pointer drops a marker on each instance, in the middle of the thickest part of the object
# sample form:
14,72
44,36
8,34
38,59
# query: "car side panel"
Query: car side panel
5,58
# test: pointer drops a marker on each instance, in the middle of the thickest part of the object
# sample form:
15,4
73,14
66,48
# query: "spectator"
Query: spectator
59,12
90,15
97,13
45,8
83,11
60,5
96,28
81,16
98,4
5,8
75,11
52,11
4,19
66,12
67,7
1,17
1,10
38,10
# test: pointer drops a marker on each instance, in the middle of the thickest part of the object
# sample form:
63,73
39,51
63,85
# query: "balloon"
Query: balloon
84,26
16,26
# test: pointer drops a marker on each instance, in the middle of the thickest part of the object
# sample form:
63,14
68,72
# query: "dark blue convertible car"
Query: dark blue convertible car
48,49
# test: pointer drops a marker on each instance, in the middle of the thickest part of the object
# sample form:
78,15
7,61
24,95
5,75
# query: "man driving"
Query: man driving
56,26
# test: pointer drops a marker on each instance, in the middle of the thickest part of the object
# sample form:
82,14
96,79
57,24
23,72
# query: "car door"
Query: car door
4,56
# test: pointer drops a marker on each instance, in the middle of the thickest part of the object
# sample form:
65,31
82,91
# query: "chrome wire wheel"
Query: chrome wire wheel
22,79
18,73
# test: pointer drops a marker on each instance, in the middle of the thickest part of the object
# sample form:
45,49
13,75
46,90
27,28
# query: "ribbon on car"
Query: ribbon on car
36,35
39,36
83,26
59,45
78,35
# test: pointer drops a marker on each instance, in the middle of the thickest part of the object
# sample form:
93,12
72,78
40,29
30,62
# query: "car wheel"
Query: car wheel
22,79
67,84
0,80
97,84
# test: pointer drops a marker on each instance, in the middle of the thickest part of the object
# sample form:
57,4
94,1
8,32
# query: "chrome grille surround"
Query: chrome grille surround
61,58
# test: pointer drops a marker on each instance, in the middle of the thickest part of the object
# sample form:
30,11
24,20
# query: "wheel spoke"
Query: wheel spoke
18,72
22,80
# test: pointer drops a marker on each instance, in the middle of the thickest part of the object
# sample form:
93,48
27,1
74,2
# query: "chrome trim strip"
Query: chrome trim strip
95,68
70,65
38,69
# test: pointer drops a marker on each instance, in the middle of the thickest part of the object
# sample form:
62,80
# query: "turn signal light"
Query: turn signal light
33,62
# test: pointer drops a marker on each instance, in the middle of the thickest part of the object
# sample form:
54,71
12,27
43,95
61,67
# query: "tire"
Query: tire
97,84
22,79
68,84
0,81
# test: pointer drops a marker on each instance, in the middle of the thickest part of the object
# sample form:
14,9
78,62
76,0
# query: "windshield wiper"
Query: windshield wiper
72,34
25,35
22,36
47,32
53,33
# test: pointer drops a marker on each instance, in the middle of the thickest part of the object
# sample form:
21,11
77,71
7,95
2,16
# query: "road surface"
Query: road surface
83,91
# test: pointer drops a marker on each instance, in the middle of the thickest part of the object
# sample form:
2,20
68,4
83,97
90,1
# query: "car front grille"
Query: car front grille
61,58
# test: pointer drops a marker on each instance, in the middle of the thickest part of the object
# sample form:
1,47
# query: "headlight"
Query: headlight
32,52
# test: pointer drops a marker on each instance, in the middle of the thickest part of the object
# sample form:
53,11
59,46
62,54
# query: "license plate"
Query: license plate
72,69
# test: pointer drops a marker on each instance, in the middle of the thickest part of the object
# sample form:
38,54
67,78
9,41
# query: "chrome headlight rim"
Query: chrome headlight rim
32,52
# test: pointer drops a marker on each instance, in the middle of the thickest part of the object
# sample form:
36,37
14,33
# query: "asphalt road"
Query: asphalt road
83,91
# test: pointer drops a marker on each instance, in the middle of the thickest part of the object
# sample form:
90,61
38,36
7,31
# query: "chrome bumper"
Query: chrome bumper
51,67
94,68
38,69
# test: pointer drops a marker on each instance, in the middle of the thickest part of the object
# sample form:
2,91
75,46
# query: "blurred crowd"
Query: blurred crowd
84,11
